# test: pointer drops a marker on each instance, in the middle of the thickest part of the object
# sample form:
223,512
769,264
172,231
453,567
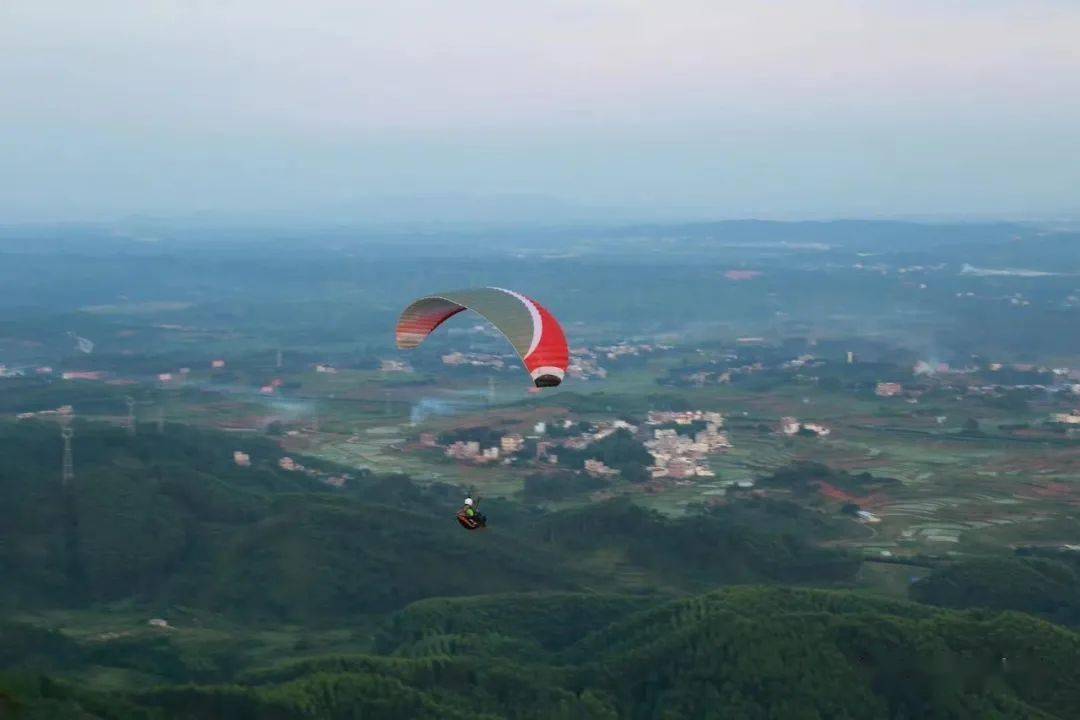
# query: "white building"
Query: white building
597,468
819,430
888,389
511,443
463,450
789,425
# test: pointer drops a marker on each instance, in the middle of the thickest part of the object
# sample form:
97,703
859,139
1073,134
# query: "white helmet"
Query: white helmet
468,501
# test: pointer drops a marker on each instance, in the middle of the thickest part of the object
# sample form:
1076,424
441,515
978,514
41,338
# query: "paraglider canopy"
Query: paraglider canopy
533,331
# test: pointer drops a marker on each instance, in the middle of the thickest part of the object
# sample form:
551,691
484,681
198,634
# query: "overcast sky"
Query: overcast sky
775,108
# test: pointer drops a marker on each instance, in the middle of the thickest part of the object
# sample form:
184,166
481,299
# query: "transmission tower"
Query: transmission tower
130,416
279,358
491,391
68,471
161,419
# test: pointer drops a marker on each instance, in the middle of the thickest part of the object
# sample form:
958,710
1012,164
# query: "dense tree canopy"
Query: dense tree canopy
606,611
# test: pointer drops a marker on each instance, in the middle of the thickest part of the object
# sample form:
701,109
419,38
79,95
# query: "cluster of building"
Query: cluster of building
162,377
584,364
243,459
683,417
168,377
83,375
801,362
597,432
289,465
1070,418
64,411
888,389
394,366
674,456
470,450
791,426
741,275
1060,380
474,359
1031,367
702,377
463,450
272,387
624,349
680,456
596,468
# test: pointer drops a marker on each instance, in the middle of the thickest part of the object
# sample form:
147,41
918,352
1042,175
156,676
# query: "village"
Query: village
678,443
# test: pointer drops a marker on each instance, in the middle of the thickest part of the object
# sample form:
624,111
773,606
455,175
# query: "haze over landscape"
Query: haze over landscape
547,110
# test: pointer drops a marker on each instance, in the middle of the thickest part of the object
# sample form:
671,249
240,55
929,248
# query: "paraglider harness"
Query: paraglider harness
475,521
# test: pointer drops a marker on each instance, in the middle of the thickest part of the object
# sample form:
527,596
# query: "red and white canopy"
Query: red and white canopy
531,329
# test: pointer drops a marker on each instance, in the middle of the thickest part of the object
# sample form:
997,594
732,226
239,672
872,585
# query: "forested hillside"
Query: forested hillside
744,652
284,597
166,520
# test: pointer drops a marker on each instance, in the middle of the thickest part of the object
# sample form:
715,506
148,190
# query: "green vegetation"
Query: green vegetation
738,653
140,522
586,597
724,545
620,450
807,477
486,436
1040,586
542,487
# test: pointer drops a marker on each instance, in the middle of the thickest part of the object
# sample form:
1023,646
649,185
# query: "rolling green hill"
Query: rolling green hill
744,652
171,520
288,598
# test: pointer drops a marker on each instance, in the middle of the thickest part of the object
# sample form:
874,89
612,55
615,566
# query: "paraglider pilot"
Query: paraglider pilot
469,516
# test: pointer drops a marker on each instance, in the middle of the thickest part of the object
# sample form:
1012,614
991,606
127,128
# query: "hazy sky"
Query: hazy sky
775,108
